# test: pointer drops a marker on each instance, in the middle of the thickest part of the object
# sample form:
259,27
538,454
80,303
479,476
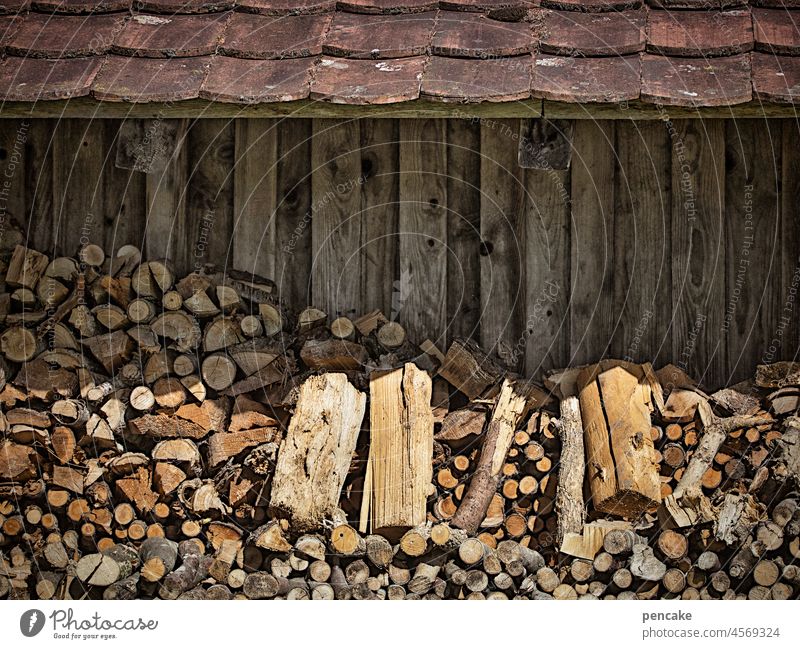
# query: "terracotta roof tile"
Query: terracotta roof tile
183,6
286,7
244,81
593,34
776,78
586,80
592,5
58,37
474,80
146,80
42,79
13,6
697,4
165,36
502,9
699,33
348,81
696,82
388,6
777,31
776,4
274,37
8,27
476,36
79,6
379,37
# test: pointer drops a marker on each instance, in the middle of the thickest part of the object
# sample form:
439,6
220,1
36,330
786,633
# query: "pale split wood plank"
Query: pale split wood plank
336,217
209,202
547,269
753,239
785,332
591,241
79,153
380,152
642,286
502,202
419,295
165,189
293,212
463,229
255,196
698,249
124,194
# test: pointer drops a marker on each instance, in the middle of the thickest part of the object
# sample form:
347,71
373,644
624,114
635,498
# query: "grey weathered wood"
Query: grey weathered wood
787,336
379,211
209,201
547,269
642,233
124,196
38,180
592,252
336,218
752,230
165,188
255,196
463,229
14,136
293,212
502,243
698,250
419,293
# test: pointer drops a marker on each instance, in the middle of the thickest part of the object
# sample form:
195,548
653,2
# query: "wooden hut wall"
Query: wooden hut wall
673,241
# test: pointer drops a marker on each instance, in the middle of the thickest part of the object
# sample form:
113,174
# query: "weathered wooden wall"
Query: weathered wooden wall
669,241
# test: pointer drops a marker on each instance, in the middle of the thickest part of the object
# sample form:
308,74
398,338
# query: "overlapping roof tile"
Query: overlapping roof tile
689,53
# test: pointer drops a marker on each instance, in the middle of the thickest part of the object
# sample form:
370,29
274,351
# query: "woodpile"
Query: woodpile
196,438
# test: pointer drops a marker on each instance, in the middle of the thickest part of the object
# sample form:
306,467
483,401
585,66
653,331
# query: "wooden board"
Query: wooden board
642,253
547,268
463,229
13,208
419,295
293,215
752,230
39,184
592,318
124,195
336,218
209,201
380,153
502,243
786,334
698,250
255,196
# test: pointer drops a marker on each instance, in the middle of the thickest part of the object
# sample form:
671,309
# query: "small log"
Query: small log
569,495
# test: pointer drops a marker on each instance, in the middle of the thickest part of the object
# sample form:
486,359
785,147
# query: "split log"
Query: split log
315,455
569,495
399,467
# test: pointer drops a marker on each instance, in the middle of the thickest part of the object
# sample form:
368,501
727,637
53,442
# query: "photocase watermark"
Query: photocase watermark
744,260
13,159
786,316
686,182
201,246
337,190
65,625
638,334
691,341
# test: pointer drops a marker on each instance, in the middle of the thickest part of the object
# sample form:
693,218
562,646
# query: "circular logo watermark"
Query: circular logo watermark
31,622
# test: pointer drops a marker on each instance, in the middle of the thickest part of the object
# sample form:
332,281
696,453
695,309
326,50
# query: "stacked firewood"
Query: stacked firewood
197,438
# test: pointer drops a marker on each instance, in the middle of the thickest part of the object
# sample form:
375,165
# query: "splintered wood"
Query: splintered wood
621,466
399,469
315,455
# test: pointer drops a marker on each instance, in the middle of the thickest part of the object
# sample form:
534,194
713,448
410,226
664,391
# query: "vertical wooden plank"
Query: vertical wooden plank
336,217
379,208
78,159
502,242
642,287
14,135
420,291
591,241
785,339
547,269
293,213
124,196
463,229
209,204
165,188
752,221
255,196
39,185
698,249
